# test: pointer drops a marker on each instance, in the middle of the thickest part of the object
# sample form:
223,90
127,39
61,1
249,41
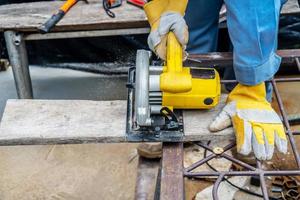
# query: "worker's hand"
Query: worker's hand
165,16
169,21
257,126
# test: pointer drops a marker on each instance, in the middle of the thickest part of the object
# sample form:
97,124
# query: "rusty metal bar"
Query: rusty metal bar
252,171
226,59
241,163
172,182
243,173
296,132
276,79
226,148
289,56
200,162
286,123
262,180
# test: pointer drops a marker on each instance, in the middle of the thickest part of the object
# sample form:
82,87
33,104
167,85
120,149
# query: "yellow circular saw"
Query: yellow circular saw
158,91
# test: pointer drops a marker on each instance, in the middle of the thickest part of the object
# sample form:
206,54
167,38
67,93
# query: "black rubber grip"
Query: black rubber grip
48,25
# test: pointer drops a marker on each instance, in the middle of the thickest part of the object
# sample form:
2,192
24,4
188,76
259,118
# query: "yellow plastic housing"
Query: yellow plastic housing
205,94
174,77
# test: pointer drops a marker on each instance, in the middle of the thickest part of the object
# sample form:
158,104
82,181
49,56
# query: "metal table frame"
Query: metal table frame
17,52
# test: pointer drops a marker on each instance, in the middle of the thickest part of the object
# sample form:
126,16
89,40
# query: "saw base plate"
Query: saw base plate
158,131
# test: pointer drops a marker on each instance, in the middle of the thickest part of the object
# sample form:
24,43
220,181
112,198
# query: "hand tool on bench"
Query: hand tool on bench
55,18
109,4
138,3
157,94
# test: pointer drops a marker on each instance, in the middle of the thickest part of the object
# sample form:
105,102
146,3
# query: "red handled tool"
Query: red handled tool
138,3
55,18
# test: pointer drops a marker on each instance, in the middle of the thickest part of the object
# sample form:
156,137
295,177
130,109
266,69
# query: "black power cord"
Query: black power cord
108,4
232,184
106,7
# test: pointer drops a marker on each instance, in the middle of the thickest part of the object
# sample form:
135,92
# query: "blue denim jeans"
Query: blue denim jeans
253,28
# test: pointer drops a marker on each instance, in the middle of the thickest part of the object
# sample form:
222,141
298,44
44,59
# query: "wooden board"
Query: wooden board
83,121
29,16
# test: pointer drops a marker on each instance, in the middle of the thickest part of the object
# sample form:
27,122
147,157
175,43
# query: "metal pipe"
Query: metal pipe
172,182
18,59
276,79
226,148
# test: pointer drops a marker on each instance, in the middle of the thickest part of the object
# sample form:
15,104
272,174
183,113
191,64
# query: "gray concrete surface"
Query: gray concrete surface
88,171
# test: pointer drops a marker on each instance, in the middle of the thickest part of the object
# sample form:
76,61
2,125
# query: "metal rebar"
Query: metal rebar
207,158
226,148
224,155
257,171
200,162
294,79
216,187
286,123
244,173
262,181
241,163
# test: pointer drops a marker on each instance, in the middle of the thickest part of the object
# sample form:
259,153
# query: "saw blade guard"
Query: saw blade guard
142,109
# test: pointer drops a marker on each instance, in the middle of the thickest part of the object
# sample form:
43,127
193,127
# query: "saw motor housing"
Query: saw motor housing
164,88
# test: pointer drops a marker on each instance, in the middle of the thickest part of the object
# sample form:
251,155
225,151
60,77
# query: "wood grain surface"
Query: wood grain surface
84,121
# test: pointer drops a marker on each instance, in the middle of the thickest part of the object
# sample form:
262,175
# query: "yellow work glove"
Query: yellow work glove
257,126
165,16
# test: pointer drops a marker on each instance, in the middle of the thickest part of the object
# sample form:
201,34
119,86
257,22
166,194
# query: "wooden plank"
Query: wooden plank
71,121
81,17
172,182
83,121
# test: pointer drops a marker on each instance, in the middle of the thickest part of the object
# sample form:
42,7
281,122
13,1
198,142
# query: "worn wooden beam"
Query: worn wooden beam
172,181
28,16
83,121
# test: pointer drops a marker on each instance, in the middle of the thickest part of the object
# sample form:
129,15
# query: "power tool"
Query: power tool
158,94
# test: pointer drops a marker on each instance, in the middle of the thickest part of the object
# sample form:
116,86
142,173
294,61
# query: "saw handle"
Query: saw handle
175,78
174,54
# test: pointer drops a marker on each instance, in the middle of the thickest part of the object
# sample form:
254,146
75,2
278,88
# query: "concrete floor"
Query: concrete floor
89,171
